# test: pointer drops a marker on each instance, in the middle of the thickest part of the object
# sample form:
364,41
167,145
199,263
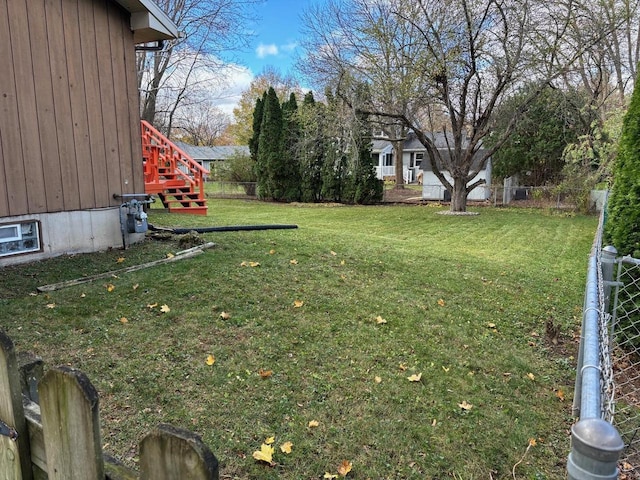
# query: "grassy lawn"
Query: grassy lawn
336,315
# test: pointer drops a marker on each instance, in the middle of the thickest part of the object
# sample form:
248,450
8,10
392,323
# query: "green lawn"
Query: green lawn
341,311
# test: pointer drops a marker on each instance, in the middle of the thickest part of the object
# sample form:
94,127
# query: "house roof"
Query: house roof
212,154
148,22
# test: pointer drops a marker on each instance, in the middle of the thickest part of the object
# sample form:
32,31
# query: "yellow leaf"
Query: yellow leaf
124,320
402,367
434,423
333,253
298,303
532,442
286,447
344,468
265,454
135,287
272,252
342,262
531,376
415,378
270,440
377,379
210,360
465,405
82,295
254,264
491,325
446,369
380,320
120,260
560,395
329,476
265,373
313,423
243,264
441,302
170,255
152,305
110,287
225,316
51,305
293,261
165,308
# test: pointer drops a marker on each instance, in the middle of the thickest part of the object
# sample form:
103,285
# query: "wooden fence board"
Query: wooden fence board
15,459
71,425
169,453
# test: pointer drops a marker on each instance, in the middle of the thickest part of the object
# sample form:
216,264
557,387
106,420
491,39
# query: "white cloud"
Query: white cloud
289,47
265,50
238,79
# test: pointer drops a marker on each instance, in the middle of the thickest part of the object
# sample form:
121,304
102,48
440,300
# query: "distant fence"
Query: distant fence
50,429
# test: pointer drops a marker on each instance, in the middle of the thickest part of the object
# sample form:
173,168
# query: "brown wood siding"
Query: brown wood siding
68,132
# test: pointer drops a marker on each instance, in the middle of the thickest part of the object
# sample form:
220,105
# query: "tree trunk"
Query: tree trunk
398,146
459,195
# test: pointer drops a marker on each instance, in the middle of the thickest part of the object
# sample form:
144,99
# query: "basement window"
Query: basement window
21,237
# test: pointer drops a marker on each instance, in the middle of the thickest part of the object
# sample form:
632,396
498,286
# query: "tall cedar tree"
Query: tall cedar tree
287,173
269,145
623,221
311,148
257,122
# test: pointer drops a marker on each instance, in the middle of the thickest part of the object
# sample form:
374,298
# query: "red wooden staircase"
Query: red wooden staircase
171,174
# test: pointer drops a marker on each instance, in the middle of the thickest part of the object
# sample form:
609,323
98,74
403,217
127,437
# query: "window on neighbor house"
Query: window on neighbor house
376,158
388,160
418,159
22,237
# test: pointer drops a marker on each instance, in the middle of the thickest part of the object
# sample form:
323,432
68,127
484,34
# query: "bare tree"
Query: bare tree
457,60
210,30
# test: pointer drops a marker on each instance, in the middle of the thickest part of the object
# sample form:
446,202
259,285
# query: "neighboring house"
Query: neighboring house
69,122
212,158
416,167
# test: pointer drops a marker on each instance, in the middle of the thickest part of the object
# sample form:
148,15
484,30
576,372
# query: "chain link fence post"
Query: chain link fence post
595,448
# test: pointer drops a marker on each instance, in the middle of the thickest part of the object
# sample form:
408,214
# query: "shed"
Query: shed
69,122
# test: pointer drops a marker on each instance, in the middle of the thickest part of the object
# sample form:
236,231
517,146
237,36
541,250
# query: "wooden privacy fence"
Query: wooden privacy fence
50,429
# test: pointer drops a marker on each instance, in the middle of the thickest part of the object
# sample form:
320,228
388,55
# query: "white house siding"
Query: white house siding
432,189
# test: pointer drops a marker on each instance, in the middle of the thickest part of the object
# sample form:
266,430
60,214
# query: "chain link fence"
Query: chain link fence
625,359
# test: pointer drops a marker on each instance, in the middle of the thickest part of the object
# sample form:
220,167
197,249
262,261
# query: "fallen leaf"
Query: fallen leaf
110,287
491,325
560,395
225,316
465,405
333,253
344,468
441,302
414,377
270,440
210,360
82,295
152,305
120,260
293,261
532,442
243,264
170,255
254,264
135,287
342,262
165,308
446,369
124,320
286,447
329,476
313,423
265,373
265,454
272,252
531,376
402,367
51,305
377,379
298,303
434,423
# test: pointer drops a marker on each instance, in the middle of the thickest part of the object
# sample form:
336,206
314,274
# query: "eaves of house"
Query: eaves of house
148,22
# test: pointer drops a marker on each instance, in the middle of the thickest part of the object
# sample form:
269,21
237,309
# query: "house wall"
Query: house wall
432,188
69,120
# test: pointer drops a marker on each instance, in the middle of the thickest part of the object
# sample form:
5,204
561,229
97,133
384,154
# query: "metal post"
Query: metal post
608,259
595,448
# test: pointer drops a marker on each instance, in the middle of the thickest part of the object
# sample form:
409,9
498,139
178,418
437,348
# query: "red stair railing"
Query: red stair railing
172,174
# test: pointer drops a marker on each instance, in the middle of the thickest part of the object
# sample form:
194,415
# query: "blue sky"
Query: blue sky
277,35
